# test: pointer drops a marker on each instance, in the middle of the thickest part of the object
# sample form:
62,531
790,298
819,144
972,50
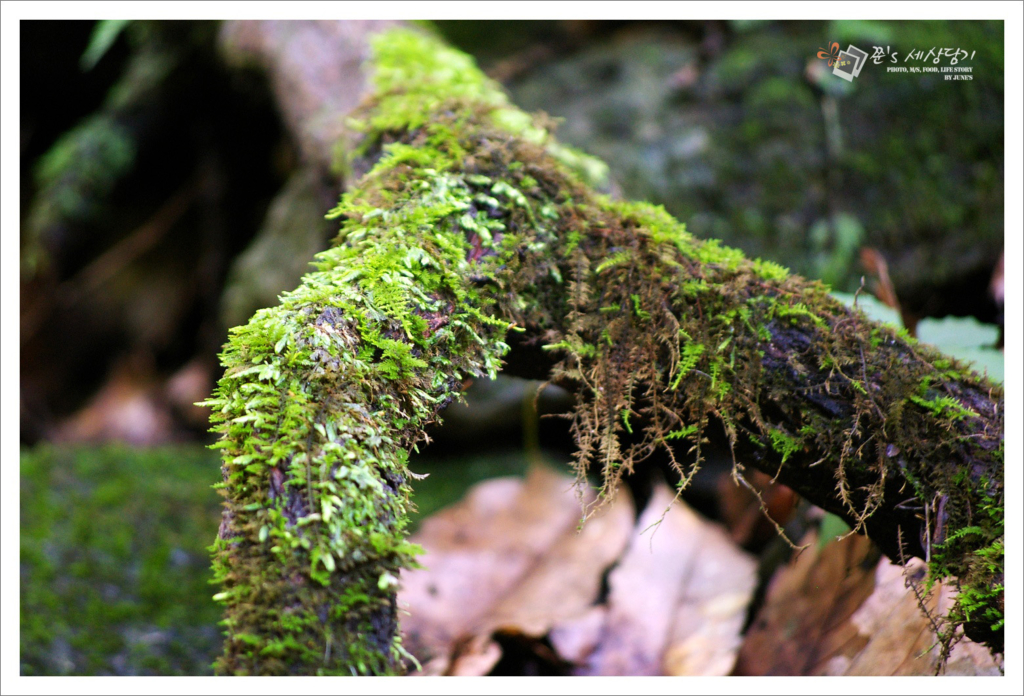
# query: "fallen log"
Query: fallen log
471,242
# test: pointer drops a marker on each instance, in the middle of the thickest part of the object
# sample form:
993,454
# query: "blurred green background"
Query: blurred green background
163,201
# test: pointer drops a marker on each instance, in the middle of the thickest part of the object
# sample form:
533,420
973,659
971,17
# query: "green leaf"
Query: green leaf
104,34
832,527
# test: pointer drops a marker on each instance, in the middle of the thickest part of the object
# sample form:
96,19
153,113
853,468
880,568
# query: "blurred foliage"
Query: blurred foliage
142,179
751,139
114,565
104,34
833,244
76,176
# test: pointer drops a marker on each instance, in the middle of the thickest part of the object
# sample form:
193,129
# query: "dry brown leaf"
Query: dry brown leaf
189,385
128,408
475,658
877,267
576,638
839,611
900,641
477,553
805,619
559,589
677,599
567,580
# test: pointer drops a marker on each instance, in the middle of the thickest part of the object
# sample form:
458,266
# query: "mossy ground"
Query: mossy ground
115,576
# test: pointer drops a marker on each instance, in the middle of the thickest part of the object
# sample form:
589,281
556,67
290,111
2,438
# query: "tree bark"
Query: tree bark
472,230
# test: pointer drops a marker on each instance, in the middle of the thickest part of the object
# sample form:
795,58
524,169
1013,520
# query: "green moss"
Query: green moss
944,407
415,76
75,178
327,393
770,270
114,573
784,444
972,556
797,311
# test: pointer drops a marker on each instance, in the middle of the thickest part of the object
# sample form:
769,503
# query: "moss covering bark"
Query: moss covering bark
473,230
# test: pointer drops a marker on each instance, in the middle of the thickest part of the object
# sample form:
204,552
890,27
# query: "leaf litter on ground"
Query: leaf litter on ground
840,608
663,594
509,568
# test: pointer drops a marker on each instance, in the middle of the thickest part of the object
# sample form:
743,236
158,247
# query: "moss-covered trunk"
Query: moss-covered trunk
471,228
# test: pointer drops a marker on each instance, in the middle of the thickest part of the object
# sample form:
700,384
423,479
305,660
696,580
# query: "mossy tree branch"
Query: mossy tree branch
471,228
